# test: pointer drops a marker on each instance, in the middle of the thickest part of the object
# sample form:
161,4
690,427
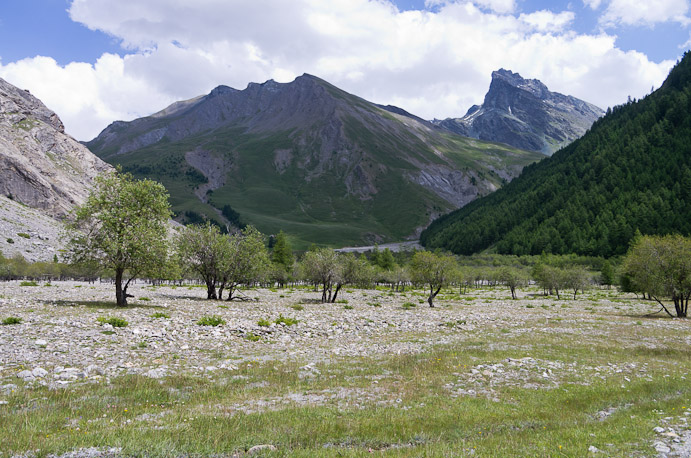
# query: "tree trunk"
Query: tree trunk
338,288
231,290
211,289
432,295
513,292
120,294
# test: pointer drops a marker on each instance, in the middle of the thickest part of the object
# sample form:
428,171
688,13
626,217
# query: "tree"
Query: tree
123,227
283,253
201,250
433,270
607,274
244,261
513,278
661,267
320,266
575,278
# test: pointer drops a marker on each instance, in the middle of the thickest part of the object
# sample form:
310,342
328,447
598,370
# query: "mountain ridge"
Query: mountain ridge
332,158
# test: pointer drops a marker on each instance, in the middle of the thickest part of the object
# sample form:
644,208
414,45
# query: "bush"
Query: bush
160,315
252,337
213,320
409,305
144,298
24,235
286,321
28,283
113,321
264,323
11,320
348,307
297,307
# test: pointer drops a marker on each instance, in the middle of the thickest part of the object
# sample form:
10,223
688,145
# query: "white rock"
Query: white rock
41,343
261,448
659,429
593,449
661,447
39,372
26,375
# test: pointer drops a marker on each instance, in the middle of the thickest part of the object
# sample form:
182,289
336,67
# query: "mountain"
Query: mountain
40,165
631,172
525,114
307,158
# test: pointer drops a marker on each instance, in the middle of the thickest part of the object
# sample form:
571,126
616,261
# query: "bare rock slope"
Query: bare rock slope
40,165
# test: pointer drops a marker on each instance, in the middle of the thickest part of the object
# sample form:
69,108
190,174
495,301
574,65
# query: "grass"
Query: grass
11,320
28,283
114,321
427,403
160,315
211,320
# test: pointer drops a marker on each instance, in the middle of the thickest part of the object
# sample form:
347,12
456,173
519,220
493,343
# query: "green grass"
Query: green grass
28,283
114,321
212,320
11,320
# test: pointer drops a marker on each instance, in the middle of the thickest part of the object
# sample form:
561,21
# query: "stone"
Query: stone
41,343
39,372
659,429
26,375
661,447
593,449
261,448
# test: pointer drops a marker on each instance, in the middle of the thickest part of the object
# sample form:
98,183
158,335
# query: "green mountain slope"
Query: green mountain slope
323,165
631,171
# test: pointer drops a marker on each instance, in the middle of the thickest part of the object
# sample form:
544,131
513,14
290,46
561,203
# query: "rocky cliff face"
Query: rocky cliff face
525,114
40,165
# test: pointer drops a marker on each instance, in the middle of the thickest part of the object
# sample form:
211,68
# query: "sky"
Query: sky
97,61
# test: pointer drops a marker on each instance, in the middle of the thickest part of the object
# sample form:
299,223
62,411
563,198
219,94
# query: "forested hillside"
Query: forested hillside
631,171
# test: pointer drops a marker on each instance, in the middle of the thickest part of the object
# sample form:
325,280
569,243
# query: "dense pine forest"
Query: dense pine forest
630,172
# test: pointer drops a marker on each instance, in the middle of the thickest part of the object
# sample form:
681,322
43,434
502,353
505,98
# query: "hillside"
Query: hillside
40,165
323,165
525,114
631,171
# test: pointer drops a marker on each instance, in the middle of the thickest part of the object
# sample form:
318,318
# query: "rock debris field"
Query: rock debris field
63,339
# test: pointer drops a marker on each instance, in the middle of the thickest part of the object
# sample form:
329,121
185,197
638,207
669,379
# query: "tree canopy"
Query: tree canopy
121,227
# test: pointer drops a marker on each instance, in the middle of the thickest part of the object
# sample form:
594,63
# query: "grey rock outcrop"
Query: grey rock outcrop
525,114
40,165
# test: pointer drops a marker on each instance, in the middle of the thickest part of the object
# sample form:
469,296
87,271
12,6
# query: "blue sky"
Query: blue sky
95,61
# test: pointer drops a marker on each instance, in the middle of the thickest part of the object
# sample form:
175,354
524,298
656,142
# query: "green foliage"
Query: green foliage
297,307
263,322
24,235
211,320
115,322
121,227
160,315
10,241
285,320
252,337
11,320
282,253
630,172
201,250
409,305
28,283
432,270
661,267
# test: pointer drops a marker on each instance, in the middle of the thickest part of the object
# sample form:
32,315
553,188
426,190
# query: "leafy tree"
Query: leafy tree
201,249
283,253
244,260
123,227
607,274
321,267
576,278
433,270
661,267
513,278
385,260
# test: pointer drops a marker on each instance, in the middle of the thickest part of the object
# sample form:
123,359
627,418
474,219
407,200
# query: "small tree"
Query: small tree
576,278
201,250
122,226
321,267
283,253
244,262
433,270
513,278
661,267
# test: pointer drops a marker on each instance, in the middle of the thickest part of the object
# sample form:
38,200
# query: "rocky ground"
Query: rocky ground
62,342
28,232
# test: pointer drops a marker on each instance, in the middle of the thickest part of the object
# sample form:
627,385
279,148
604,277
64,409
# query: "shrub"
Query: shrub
286,321
10,241
342,301
213,320
348,307
263,322
374,304
409,305
24,235
28,283
113,321
11,320
252,337
297,307
160,315
144,298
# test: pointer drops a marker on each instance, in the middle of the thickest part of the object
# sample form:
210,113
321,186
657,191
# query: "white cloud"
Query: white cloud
646,13
593,4
433,63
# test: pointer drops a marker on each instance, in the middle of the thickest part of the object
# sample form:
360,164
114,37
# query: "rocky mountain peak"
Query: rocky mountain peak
524,113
